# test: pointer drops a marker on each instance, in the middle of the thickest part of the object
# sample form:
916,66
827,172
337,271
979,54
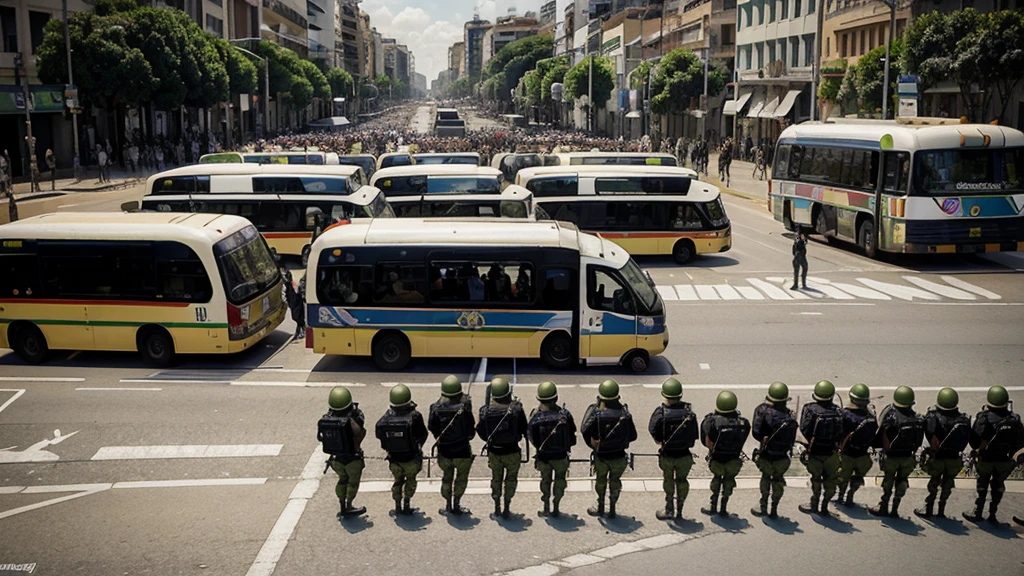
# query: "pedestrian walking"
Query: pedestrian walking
996,437
799,259
402,434
759,167
673,426
775,428
821,426
296,303
608,429
451,422
341,431
859,428
552,431
501,426
101,161
723,432
51,165
724,163
947,431
900,433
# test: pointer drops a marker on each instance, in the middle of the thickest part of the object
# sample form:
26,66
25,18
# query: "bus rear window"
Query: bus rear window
403,185
557,186
246,266
463,184
399,160
642,185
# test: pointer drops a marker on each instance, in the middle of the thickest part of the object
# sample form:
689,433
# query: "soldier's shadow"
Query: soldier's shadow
951,526
903,525
464,522
515,522
356,524
730,523
686,526
1001,530
834,523
565,522
856,512
414,522
783,525
621,524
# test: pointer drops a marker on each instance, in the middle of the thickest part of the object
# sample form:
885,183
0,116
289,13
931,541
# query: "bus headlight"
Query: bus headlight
244,313
647,322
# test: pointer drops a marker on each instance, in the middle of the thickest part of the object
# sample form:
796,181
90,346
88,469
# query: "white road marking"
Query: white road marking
727,292
773,291
35,379
619,549
940,289
118,389
35,452
807,313
796,294
706,292
686,292
750,293
578,561
296,384
828,290
15,511
861,292
544,569
187,451
272,549
667,293
192,483
705,366
481,373
901,292
961,284
17,394
168,381
11,489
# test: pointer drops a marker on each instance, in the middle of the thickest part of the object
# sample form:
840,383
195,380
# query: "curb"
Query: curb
734,192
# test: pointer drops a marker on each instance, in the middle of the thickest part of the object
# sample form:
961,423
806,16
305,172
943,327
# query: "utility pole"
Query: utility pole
19,63
71,87
885,84
816,66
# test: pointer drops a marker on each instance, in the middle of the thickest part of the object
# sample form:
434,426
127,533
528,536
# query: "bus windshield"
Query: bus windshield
246,265
468,160
640,284
463,184
969,171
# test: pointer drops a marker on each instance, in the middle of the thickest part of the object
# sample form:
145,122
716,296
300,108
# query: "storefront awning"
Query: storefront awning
755,109
769,108
787,104
734,107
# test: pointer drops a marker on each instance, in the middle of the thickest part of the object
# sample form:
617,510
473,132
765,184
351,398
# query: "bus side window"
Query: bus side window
557,291
606,293
897,172
781,168
175,185
19,276
181,275
202,184
344,285
686,217
396,283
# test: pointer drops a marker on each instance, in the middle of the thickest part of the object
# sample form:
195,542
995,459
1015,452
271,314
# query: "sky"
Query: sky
429,27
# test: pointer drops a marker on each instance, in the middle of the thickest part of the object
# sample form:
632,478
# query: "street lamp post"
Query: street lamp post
885,84
76,162
19,61
266,80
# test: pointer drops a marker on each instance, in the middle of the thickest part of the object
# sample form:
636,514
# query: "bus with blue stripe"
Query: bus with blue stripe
478,288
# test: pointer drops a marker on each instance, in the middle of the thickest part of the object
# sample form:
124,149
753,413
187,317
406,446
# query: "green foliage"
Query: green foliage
316,78
994,56
301,92
340,81
678,78
577,80
458,88
830,85
869,76
555,74
242,75
847,95
513,61
638,77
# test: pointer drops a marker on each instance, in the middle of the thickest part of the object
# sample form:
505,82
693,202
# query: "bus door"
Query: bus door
609,322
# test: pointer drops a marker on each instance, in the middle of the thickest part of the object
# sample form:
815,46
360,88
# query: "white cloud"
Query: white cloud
428,39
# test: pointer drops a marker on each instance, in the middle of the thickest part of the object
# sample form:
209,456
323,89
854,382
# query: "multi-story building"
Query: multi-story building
419,85
506,31
285,22
321,30
389,46
457,60
376,57
548,11
348,41
473,38
403,71
564,30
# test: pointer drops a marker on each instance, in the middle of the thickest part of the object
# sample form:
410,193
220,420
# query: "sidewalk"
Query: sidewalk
741,182
89,183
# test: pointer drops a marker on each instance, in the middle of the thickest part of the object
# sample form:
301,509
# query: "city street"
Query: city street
108,466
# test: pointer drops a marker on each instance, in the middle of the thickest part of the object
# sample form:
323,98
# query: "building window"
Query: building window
217,3
760,15
842,47
863,45
794,43
785,9
36,23
771,52
214,25
796,9
771,11
8,30
808,50
783,49
760,56
811,6
828,47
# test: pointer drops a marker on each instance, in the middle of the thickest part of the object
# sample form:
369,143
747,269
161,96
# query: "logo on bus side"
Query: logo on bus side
200,314
471,320
951,206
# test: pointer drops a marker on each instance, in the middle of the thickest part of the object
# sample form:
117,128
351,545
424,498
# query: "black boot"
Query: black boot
979,506
668,513
882,509
398,506
725,503
597,510
894,511
497,508
992,508
762,508
555,513
849,499
505,512
407,507
679,509
447,507
611,508
840,496
811,508
926,512
351,510
823,510
774,512
1018,520
457,508
942,509
712,509
547,507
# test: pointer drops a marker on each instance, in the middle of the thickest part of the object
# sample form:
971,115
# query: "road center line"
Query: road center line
187,451
35,379
118,389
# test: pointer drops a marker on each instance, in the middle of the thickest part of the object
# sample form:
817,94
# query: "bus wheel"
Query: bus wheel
305,256
556,351
683,251
391,352
156,347
638,361
821,223
28,343
866,238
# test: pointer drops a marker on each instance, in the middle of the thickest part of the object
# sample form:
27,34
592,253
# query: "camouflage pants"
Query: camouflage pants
943,474
852,470
897,474
455,475
349,476
405,477
993,474
609,472
824,471
773,478
504,472
724,479
674,474
552,471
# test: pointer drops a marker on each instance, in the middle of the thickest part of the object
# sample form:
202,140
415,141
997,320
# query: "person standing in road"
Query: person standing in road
341,431
799,259
821,426
552,431
859,428
296,305
996,437
501,426
402,434
51,165
608,429
451,422
101,162
946,433
724,432
673,426
774,426
725,162
900,433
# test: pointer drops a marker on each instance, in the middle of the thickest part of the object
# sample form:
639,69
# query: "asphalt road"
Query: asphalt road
212,467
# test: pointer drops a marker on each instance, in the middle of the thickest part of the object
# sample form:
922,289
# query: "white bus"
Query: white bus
648,210
161,284
928,185
598,158
398,289
314,158
446,158
431,191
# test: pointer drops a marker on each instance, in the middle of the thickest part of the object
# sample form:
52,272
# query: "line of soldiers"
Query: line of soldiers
837,440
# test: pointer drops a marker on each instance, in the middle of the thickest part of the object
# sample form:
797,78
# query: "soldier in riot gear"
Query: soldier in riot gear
859,428
608,428
501,426
402,435
451,422
946,433
900,433
673,426
996,436
341,431
774,426
552,431
724,432
822,427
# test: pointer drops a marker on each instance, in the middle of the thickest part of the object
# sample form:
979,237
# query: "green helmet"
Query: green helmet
608,390
340,398
903,397
947,399
500,388
998,397
824,391
778,392
860,395
672,389
726,402
400,395
451,386
547,392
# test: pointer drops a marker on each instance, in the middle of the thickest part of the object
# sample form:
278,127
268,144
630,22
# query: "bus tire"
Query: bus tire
556,351
683,251
638,361
156,346
866,238
305,255
391,351
820,221
28,342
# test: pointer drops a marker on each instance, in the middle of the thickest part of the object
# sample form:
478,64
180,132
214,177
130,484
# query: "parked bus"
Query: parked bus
365,161
161,284
647,210
450,191
395,159
398,289
927,185
290,157
597,158
462,158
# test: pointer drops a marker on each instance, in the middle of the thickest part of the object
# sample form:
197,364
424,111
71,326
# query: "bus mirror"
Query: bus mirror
132,206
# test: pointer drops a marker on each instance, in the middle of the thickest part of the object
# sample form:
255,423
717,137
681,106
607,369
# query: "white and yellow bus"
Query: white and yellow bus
598,158
424,191
294,157
448,158
398,289
161,284
648,210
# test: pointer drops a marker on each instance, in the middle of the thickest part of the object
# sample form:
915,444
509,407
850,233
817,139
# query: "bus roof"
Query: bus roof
605,171
244,169
125,226
905,136
447,154
436,170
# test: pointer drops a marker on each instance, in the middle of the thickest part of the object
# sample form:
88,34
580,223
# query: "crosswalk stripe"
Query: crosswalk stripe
901,292
940,289
829,291
686,292
861,292
773,291
953,281
727,292
667,293
750,293
706,292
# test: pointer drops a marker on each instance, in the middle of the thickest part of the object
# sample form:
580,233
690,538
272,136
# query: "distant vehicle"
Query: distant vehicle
510,163
496,288
315,158
465,158
423,190
924,185
161,284
596,158
448,123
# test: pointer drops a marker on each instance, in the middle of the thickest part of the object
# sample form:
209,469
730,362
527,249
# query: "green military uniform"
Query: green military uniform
608,428
341,431
859,428
900,432
947,432
552,432
996,437
402,434
673,427
821,425
502,424
774,427
724,432
451,422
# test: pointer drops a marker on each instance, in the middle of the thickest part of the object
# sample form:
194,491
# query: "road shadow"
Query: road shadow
951,526
621,524
834,523
903,525
730,523
514,523
565,522
856,512
463,522
686,526
425,368
355,525
702,261
414,522
1001,530
783,525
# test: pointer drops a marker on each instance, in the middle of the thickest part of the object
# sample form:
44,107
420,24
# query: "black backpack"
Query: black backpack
674,427
453,434
732,435
863,433
828,429
550,433
781,440
501,424
612,429
335,432
909,433
397,433
1005,441
958,436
